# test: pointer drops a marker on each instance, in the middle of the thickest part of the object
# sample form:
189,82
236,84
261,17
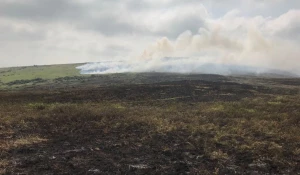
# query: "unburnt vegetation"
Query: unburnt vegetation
151,124
29,73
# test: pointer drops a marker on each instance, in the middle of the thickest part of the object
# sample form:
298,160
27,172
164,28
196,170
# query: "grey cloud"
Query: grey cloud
41,10
107,25
103,17
106,20
291,32
99,16
20,36
192,24
115,50
8,34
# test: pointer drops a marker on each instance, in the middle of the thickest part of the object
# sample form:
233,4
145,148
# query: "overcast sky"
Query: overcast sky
254,32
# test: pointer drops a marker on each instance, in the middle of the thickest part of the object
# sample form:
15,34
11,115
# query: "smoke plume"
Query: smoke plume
254,44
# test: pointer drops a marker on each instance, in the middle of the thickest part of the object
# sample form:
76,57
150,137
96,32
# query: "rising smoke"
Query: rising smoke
230,43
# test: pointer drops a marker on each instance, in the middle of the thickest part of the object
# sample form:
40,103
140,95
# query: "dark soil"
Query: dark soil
201,126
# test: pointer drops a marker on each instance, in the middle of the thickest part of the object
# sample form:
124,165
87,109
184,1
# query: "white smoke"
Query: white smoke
255,43
180,65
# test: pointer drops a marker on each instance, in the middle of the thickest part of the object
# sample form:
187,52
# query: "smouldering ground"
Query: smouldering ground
180,127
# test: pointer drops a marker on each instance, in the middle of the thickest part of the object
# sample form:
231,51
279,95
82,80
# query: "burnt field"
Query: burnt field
151,124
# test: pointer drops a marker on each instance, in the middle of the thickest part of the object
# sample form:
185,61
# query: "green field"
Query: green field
32,72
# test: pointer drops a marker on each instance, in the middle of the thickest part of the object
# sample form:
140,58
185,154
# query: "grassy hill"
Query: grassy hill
32,72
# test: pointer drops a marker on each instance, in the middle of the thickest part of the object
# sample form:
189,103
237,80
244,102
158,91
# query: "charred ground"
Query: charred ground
151,123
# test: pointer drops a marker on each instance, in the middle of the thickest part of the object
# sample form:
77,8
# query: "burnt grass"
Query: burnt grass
196,126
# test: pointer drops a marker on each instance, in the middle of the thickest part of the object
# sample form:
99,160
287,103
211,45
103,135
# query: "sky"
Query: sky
262,33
